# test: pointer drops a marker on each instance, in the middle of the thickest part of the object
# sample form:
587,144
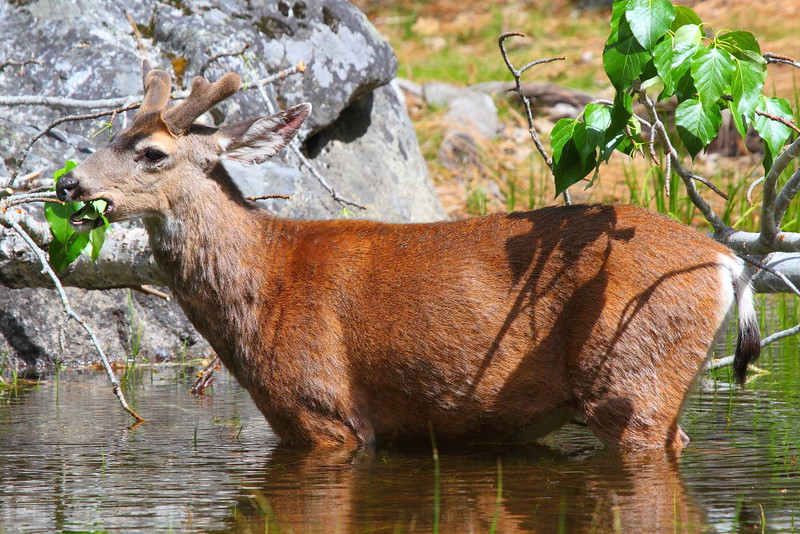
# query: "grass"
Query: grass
135,332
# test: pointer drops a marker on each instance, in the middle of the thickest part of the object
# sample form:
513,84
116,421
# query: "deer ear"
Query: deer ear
257,141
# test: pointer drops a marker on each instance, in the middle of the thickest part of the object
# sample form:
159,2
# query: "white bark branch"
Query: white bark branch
769,221
46,269
125,260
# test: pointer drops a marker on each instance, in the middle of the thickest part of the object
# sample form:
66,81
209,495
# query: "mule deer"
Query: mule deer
343,332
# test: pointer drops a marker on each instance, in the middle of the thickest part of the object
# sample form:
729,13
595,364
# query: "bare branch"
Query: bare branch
148,290
12,63
779,119
205,377
68,309
749,195
786,195
769,220
294,146
778,58
60,102
526,102
217,57
137,34
687,176
69,118
266,197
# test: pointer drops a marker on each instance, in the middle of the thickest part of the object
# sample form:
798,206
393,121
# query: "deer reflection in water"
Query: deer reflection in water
543,490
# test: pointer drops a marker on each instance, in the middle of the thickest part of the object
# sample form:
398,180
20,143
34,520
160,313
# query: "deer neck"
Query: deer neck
214,248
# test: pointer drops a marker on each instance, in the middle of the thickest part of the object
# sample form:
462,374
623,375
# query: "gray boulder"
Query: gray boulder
359,136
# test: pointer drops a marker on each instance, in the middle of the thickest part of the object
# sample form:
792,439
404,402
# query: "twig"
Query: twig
652,147
749,195
68,309
216,57
26,198
205,377
786,195
526,102
60,102
687,176
778,58
24,154
149,290
779,119
708,184
266,197
120,104
136,33
769,220
294,146
12,63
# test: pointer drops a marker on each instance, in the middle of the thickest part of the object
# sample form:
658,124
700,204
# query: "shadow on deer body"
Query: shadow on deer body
348,332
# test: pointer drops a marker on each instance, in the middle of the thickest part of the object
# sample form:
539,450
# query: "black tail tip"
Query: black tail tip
748,348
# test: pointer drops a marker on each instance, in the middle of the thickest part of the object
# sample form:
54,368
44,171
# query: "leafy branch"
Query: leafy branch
655,52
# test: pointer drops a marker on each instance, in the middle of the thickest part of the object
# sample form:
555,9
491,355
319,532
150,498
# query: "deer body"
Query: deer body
496,328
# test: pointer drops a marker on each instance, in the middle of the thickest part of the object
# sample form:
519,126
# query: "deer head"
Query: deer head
163,157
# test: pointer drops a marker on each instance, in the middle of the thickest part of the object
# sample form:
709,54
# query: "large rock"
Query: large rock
359,136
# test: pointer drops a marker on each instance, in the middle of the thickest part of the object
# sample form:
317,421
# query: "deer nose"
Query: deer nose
66,187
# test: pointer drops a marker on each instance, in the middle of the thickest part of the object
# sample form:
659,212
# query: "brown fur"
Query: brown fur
496,328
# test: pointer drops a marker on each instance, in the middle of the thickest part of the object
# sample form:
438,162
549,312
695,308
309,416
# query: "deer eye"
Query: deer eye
153,155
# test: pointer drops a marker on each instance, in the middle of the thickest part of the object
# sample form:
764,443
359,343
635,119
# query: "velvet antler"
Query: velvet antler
157,88
204,96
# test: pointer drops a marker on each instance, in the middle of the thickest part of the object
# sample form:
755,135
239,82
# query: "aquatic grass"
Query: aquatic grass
436,476
499,500
135,332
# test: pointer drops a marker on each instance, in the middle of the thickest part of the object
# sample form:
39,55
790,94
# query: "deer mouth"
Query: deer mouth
92,214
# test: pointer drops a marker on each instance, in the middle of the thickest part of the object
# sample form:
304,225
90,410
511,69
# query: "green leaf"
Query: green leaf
747,82
57,216
697,125
620,114
773,132
649,20
690,34
573,157
67,244
61,254
685,89
598,119
711,72
96,239
742,45
68,166
624,58
683,16
673,60
612,144
738,119
617,14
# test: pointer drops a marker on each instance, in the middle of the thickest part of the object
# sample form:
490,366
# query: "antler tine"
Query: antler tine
157,88
203,97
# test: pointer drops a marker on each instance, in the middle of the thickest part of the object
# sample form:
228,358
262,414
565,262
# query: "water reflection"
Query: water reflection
542,491
68,463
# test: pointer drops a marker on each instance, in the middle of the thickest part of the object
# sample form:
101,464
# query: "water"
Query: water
68,463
